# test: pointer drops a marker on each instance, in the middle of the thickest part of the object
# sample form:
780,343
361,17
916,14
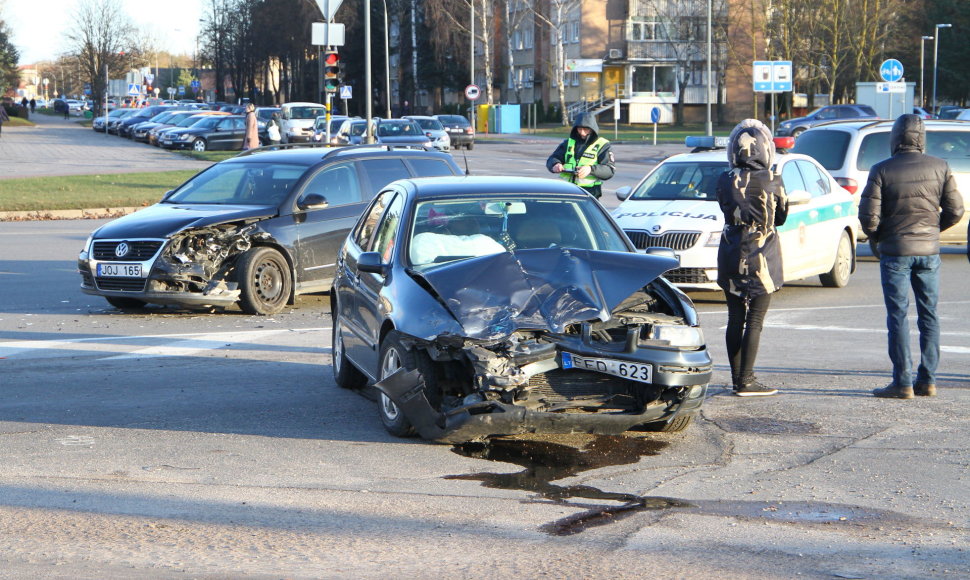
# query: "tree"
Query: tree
9,57
556,20
102,38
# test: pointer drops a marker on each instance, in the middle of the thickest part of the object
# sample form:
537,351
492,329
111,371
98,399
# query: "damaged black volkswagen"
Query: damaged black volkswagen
481,306
255,230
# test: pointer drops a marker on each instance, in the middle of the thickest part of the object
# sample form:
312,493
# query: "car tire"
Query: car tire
199,145
122,303
470,146
797,131
679,423
345,374
838,276
394,356
264,280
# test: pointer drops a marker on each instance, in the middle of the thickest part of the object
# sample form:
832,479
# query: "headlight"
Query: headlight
785,124
678,335
714,240
185,137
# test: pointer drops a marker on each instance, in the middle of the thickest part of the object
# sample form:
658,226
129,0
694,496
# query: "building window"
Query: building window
528,38
654,79
576,31
640,31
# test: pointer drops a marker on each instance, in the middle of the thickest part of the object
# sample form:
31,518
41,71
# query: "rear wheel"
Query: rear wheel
393,357
345,373
199,145
125,303
264,280
470,145
838,276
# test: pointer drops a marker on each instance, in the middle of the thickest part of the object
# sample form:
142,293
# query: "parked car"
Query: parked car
847,150
434,130
351,132
675,206
143,114
963,115
459,129
296,121
400,132
949,112
210,133
795,127
263,115
254,230
923,113
320,128
482,306
181,120
99,123
115,122
139,131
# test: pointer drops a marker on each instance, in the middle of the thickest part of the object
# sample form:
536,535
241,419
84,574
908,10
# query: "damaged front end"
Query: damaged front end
575,358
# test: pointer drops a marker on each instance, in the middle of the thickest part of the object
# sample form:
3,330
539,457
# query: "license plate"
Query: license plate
628,370
119,270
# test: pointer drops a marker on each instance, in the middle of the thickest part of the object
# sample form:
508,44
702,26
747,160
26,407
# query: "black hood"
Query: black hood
588,121
908,134
162,219
750,146
549,289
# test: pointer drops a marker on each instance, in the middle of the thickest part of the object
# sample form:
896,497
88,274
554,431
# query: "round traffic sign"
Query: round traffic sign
891,70
655,115
472,92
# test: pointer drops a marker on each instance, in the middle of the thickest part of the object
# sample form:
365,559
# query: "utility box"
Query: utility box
481,119
887,105
505,119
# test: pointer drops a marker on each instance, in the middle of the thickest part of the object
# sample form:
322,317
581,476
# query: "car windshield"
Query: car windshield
430,124
446,230
827,146
320,124
306,112
682,180
192,120
397,130
249,183
162,117
357,129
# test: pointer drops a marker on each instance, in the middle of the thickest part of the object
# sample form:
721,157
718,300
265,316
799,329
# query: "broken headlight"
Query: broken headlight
678,335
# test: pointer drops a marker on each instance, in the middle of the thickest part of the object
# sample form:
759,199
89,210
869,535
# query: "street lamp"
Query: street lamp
387,61
936,44
710,128
922,44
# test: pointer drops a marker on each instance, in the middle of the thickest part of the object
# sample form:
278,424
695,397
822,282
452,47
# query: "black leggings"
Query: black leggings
745,319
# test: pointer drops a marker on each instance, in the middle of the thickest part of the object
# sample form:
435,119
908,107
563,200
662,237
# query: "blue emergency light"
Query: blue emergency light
706,142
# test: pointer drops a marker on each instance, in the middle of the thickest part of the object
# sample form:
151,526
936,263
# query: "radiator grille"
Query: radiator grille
126,284
138,250
673,240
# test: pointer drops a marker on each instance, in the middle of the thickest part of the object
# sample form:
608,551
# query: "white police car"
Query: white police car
675,206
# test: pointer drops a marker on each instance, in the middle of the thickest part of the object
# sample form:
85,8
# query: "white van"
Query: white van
296,120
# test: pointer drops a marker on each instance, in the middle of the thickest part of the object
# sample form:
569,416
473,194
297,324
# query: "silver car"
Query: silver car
434,130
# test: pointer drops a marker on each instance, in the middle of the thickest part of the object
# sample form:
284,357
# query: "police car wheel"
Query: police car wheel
838,276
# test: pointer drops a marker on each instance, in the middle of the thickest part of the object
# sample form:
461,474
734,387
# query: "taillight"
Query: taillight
848,184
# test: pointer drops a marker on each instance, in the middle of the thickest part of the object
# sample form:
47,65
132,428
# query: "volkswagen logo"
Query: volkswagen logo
121,250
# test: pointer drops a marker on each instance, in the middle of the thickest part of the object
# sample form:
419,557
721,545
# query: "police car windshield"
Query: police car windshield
682,180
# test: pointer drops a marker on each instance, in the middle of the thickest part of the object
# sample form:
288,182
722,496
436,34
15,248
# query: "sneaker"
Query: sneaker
924,389
754,389
893,391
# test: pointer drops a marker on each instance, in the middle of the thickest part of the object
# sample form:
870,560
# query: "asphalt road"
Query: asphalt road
176,444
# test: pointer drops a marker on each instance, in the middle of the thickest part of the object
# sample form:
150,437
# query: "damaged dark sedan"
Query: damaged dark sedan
255,230
483,306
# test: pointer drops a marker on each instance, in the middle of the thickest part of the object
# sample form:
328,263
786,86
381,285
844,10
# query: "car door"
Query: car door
812,228
358,293
793,234
232,132
322,230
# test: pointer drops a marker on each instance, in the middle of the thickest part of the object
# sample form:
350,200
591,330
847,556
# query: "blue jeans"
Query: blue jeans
899,273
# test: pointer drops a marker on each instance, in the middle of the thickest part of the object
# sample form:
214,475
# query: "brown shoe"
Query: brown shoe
893,391
924,389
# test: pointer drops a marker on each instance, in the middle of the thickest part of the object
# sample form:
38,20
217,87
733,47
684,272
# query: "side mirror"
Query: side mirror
371,262
167,194
623,193
312,201
799,197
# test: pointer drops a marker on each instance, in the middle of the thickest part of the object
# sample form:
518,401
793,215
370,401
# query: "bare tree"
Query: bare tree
103,40
517,13
452,14
556,20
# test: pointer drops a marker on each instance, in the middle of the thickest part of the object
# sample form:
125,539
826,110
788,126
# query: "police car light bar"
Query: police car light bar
784,143
706,142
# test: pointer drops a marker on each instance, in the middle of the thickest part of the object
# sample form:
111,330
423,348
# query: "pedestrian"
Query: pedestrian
23,102
908,200
273,129
33,105
3,116
251,140
584,158
749,264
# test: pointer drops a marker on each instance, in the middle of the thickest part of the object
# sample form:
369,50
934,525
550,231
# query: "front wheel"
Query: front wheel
393,357
679,423
122,303
198,145
264,280
796,132
838,276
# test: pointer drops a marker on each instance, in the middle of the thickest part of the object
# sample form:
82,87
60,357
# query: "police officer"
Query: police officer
585,158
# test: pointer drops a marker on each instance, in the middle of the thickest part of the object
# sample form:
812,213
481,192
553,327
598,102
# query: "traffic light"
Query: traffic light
331,71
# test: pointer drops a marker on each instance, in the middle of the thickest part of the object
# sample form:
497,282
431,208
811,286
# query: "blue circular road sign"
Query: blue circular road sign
655,115
891,70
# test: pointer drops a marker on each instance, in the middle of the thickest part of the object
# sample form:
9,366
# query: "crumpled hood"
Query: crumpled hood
163,219
548,289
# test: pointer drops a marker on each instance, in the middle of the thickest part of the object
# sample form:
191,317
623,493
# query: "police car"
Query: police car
675,206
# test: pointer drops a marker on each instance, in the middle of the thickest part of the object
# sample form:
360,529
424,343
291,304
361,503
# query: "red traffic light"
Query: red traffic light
331,59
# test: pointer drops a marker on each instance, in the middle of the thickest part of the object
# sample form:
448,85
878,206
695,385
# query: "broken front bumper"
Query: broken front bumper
480,420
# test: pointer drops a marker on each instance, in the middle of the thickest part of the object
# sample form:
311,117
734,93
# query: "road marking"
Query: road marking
154,345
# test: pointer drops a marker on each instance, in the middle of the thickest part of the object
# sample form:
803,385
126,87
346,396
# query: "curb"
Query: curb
66,214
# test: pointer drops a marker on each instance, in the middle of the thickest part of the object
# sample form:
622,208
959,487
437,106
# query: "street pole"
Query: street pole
936,45
369,100
710,127
471,53
387,61
922,61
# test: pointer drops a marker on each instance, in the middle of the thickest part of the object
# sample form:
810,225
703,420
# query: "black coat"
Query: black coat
754,203
910,197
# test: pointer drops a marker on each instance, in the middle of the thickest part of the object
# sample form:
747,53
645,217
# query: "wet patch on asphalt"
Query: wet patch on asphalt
766,426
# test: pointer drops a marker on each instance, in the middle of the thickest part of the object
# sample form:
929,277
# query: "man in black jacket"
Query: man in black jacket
908,200
584,158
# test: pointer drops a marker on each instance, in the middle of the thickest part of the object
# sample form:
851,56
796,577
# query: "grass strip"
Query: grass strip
88,191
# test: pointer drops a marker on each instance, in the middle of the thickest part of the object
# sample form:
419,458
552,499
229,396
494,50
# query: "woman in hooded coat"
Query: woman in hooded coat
749,266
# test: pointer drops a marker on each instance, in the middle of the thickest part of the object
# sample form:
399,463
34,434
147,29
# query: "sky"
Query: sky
38,27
